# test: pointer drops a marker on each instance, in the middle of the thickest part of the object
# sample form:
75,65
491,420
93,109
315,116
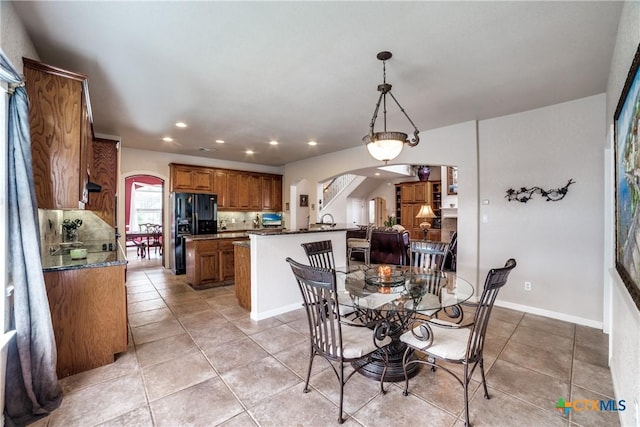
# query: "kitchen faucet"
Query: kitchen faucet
333,221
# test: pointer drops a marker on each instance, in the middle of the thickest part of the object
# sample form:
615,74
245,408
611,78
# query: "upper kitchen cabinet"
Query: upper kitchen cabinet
105,173
191,179
61,134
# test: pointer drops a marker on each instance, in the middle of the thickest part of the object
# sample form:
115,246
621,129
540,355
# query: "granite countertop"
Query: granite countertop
241,235
96,258
301,231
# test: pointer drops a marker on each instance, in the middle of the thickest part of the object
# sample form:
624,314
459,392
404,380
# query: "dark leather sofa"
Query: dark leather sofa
387,247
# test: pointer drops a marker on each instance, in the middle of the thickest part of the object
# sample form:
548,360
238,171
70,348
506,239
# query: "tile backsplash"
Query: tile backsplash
238,220
93,228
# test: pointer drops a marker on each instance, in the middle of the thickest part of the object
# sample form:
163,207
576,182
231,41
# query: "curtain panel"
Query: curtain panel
32,389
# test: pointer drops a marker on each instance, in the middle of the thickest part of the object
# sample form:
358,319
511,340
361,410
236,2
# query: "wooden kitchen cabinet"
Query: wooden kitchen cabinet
242,256
61,134
105,173
236,190
209,262
191,179
89,316
220,188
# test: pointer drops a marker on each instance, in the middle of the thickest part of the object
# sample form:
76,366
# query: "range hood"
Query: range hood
92,187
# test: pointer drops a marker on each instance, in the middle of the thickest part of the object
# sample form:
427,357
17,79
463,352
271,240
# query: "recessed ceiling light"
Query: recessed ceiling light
312,143
167,139
219,141
377,174
249,152
273,142
181,125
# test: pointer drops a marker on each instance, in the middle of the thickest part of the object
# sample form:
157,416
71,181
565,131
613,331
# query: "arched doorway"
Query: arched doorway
144,218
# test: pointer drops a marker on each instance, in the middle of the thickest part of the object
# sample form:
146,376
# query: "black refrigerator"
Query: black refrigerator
193,214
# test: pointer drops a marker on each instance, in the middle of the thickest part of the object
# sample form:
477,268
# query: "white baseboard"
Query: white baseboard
280,310
552,314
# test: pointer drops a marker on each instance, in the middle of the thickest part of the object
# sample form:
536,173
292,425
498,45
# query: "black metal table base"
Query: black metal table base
373,369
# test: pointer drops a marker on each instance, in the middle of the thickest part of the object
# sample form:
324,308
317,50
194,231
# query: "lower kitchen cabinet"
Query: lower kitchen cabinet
89,316
209,262
242,253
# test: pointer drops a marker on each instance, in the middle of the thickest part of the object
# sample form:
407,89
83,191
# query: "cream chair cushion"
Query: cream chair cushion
448,343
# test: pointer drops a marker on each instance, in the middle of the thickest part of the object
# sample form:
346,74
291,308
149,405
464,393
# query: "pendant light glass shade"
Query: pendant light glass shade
385,146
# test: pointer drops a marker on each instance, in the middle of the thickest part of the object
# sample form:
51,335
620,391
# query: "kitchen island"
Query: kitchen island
273,287
210,259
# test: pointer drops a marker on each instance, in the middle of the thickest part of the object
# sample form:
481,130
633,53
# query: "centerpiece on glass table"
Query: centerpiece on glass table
384,276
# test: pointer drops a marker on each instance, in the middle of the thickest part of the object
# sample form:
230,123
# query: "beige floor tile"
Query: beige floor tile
296,358
142,296
140,417
531,386
165,349
278,338
357,391
593,377
124,364
208,338
259,380
208,403
588,416
250,326
506,315
150,316
176,289
100,402
395,409
189,307
156,331
142,286
555,364
241,420
504,410
292,406
152,304
165,378
440,388
234,354
292,316
546,324
500,328
202,319
549,341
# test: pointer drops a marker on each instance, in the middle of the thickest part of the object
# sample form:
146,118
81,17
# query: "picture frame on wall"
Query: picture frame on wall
304,200
452,180
627,185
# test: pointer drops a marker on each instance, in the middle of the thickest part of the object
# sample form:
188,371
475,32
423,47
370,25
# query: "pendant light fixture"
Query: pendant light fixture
387,145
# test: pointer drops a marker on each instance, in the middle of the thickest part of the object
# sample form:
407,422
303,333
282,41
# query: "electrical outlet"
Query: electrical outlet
527,286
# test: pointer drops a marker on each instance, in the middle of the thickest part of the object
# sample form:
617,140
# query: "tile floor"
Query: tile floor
196,359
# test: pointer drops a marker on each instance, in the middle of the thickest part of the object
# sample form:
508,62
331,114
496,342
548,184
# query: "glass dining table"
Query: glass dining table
401,295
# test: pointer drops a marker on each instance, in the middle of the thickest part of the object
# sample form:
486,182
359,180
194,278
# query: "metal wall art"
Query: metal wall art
525,194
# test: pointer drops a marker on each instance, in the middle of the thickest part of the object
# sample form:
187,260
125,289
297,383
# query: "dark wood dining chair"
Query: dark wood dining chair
444,341
330,337
320,254
428,255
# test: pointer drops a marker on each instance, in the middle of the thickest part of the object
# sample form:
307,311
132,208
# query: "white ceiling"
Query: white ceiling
249,72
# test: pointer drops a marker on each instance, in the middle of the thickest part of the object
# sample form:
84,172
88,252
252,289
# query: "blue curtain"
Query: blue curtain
31,388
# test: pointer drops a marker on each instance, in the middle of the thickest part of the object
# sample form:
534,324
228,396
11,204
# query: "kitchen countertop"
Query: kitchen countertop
243,243
242,235
301,231
96,258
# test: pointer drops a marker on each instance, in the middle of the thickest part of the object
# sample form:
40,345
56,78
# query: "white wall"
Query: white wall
558,245
624,341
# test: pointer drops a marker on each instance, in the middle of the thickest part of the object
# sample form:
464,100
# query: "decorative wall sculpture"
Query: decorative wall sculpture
525,194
